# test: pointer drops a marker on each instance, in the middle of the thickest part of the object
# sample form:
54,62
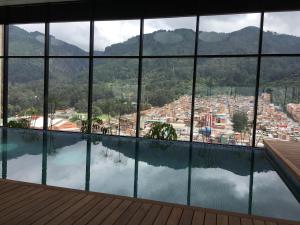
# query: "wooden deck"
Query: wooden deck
25,203
288,153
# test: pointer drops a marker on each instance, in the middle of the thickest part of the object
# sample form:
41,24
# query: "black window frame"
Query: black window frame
196,56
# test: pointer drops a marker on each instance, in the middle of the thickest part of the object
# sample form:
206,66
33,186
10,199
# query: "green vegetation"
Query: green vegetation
162,131
21,123
163,81
97,126
240,121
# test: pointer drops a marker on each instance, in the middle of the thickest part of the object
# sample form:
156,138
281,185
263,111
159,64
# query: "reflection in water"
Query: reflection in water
220,178
66,168
269,188
159,181
211,176
111,171
25,168
210,185
24,153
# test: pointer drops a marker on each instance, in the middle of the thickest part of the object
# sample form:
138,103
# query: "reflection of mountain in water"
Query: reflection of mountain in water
173,154
22,141
219,176
156,153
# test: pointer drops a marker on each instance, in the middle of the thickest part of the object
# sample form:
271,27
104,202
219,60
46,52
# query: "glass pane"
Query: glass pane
279,100
66,160
163,171
281,33
229,34
224,100
1,39
25,92
1,72
68,94
1,91
166,96
112,157
3,156
24,155
114,96
26,40
1,88
271,196
70,39
220,177
169,36
117,38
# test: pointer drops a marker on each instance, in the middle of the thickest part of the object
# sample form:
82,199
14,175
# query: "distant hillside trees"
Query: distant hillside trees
163,80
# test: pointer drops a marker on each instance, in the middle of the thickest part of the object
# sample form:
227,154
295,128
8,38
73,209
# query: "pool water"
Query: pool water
210,176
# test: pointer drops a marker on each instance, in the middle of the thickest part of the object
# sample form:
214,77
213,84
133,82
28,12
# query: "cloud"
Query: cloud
111,32
76,33
268,187
283,22
33,27
151,25
228,23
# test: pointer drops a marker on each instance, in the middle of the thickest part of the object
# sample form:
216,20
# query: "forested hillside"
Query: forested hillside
115,80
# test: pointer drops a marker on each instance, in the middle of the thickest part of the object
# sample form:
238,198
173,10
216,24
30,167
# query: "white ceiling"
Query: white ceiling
24,2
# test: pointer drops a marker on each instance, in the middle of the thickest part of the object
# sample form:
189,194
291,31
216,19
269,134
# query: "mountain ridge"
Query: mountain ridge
161,37
116,79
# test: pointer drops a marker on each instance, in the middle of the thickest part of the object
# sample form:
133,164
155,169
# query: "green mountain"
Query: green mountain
115,80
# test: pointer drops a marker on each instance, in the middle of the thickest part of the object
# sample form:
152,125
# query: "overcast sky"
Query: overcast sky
110,32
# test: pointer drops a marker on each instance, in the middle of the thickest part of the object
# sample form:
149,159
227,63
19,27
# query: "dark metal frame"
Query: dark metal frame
84,10
46,76
46,57
5,76
140,71
194,79
257,78
158,56
91,77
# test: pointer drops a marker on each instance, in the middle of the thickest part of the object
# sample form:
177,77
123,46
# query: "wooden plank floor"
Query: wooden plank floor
25,203
288,152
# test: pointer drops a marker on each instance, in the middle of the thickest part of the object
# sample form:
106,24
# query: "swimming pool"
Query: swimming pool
211,176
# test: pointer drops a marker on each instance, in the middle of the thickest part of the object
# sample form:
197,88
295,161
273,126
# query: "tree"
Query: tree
97,110
32,112
270,91
53,102
21,123
162,131
97,125
240,122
